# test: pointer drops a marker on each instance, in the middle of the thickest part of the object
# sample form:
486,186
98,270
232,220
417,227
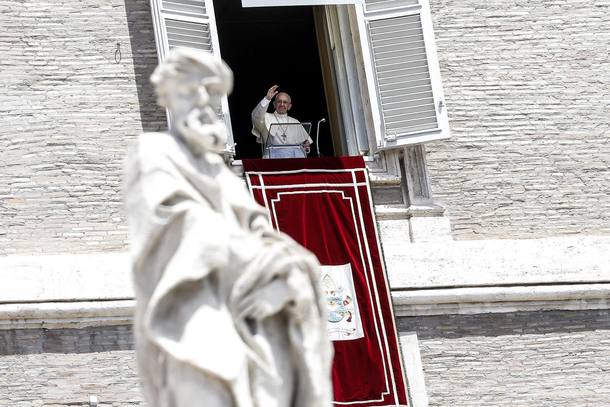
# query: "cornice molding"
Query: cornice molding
482,300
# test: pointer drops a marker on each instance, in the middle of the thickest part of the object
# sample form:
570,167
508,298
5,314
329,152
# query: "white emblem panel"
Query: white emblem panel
337,284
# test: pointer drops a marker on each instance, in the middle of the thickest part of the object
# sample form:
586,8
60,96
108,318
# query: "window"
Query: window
387,91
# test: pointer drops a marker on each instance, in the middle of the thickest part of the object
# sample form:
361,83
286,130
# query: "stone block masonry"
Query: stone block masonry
551,358
69,111
526,85
63,367
62,380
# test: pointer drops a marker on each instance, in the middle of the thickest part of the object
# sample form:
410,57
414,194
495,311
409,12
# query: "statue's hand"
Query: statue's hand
265,301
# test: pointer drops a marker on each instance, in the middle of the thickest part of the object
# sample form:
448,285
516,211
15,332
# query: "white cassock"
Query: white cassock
284,130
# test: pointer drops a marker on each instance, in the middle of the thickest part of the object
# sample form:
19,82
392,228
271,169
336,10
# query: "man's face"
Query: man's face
282,103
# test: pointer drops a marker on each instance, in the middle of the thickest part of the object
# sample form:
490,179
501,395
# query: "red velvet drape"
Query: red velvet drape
325,205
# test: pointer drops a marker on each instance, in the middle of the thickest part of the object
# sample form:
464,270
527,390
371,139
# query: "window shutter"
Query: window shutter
190,24
402,72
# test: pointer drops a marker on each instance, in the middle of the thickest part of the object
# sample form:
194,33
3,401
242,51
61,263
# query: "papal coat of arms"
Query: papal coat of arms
338,289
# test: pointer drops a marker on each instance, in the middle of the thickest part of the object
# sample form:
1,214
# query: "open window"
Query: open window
266,46
369,66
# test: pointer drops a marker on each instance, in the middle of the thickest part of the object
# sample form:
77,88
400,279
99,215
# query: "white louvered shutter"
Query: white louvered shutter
191,24
402,72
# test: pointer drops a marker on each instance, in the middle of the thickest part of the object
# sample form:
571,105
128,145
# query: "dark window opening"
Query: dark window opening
266,46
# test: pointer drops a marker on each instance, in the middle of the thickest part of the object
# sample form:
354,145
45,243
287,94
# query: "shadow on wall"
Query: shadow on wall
66,340
144,54
113,338
517,323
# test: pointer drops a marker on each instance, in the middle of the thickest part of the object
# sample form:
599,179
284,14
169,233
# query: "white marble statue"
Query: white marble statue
228,312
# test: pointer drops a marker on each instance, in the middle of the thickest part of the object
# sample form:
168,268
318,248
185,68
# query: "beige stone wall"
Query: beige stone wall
68,113
526,85
551,358
63,367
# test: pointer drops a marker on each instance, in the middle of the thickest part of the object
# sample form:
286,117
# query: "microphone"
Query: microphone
322,120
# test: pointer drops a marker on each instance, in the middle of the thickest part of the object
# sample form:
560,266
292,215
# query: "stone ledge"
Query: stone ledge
429,210
65,277
482,300
579,259
391,212
66,314
383,179
474,300
397,211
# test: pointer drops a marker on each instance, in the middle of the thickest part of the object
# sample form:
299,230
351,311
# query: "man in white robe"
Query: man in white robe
277,128
228,312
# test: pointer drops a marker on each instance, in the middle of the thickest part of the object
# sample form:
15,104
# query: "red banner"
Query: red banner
325,205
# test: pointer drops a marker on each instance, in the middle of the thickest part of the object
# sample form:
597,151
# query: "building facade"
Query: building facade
495,233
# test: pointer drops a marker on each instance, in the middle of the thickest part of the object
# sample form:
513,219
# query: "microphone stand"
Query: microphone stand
322,120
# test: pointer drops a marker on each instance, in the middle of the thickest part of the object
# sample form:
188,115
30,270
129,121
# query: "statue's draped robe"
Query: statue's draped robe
200,248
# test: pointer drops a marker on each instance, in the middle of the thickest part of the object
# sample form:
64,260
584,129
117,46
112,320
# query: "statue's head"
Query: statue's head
190,84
